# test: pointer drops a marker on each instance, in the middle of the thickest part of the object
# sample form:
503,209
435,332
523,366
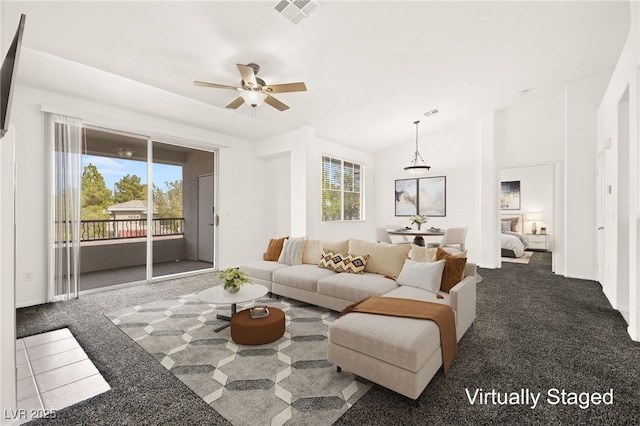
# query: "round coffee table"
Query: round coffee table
219,296
248,331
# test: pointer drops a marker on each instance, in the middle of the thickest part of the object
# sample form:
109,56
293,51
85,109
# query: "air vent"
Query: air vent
431,112
295,10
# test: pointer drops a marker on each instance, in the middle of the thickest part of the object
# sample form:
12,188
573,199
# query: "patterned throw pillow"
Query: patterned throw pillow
341,262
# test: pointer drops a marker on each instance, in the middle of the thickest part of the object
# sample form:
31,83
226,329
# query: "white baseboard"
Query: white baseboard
580,277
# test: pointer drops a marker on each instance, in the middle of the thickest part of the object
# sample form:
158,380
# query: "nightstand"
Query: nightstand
537,242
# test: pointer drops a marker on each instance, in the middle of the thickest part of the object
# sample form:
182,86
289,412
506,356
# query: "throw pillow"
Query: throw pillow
426,276
384,259
422,254
513,222
453,269
341,262
313,249
505,226
274,249
292,251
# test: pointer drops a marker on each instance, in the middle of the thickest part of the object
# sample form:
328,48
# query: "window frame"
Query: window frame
359,170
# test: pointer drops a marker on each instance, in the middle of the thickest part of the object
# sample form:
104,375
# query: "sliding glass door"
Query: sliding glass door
126,208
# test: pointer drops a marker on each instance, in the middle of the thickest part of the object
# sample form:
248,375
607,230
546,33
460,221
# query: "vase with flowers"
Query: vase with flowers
234,278
419,220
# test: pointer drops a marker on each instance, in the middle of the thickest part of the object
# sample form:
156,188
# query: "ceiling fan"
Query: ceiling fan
254,90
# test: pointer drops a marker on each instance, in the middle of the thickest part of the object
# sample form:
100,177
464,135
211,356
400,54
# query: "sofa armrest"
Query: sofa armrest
463,301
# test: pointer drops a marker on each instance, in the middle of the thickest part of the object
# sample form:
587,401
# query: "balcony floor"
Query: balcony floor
99,279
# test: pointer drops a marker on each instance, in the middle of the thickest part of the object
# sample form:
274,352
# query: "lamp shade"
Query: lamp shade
534,216
253,98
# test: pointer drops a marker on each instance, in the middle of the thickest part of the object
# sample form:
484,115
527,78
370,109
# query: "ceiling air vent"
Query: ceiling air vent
295,10
431,112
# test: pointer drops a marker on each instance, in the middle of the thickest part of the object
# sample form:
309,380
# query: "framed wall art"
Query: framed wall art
432,196
406,197
510,195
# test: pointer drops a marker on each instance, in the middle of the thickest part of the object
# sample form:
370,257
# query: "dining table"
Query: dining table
418,234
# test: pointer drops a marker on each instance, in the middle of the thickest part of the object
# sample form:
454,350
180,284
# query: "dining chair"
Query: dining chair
403,238
382,236
454,239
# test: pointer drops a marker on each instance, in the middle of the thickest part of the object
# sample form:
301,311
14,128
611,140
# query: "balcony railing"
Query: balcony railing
113,229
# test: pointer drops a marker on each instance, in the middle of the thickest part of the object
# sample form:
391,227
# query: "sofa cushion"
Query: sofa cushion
304,277
292,251
341,262
453,269
313,249
378,336
426,276
262,269
274,249
422,254
355,287
385,259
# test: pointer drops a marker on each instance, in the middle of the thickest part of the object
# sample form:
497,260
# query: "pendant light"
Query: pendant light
418,165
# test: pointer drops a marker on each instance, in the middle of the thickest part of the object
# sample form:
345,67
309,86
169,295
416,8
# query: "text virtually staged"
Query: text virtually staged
533,398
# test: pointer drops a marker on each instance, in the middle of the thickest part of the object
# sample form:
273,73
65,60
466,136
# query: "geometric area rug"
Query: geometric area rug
288,381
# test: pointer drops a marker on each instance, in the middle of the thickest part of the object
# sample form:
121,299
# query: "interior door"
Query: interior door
600,194
205,218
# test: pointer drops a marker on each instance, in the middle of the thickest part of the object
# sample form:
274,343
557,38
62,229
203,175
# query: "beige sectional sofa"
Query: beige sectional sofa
401,354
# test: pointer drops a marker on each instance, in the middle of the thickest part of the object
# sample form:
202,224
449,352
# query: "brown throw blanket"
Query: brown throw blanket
441,314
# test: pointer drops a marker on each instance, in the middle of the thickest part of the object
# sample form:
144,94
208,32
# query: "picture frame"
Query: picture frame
432,196
510,195
406,197
543,231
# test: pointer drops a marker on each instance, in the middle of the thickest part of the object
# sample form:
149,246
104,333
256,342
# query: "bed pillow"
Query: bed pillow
426,276
453,269
513,221
505,226
292,251
341,262
274,249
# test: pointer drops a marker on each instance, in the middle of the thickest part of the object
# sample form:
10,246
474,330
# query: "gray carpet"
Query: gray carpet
534,330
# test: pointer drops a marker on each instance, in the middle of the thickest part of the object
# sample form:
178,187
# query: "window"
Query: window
341,190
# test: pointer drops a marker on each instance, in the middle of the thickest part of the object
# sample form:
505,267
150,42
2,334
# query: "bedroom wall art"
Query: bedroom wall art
510,195
432,196
406,197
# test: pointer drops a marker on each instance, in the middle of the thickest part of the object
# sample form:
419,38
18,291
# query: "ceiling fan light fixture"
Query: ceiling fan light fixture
417,166
253,98
124,152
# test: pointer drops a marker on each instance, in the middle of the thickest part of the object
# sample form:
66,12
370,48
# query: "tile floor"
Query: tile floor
53,372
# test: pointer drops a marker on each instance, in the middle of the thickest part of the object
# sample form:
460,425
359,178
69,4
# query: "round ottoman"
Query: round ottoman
248,331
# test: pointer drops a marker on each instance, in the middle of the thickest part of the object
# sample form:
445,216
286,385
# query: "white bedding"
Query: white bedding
513,241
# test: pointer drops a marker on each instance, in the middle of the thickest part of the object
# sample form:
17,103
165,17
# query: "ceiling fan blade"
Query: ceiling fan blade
214,85
248,75
236,103
275,103
287,87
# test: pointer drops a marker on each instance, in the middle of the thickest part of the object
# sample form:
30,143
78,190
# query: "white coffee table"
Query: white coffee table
219,296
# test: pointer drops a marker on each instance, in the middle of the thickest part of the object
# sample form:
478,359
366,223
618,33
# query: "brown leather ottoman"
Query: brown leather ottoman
248,331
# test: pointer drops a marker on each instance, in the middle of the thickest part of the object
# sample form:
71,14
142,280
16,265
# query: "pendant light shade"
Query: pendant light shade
418,165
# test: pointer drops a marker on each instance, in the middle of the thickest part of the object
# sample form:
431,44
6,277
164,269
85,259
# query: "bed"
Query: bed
512,242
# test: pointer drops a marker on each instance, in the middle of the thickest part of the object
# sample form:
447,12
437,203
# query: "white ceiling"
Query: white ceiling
371,67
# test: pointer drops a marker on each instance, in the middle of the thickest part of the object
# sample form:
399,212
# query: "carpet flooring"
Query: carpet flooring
288,381
535,332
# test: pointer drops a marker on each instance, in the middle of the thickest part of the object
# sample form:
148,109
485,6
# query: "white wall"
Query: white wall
7,286
454,153
304,151
626,76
